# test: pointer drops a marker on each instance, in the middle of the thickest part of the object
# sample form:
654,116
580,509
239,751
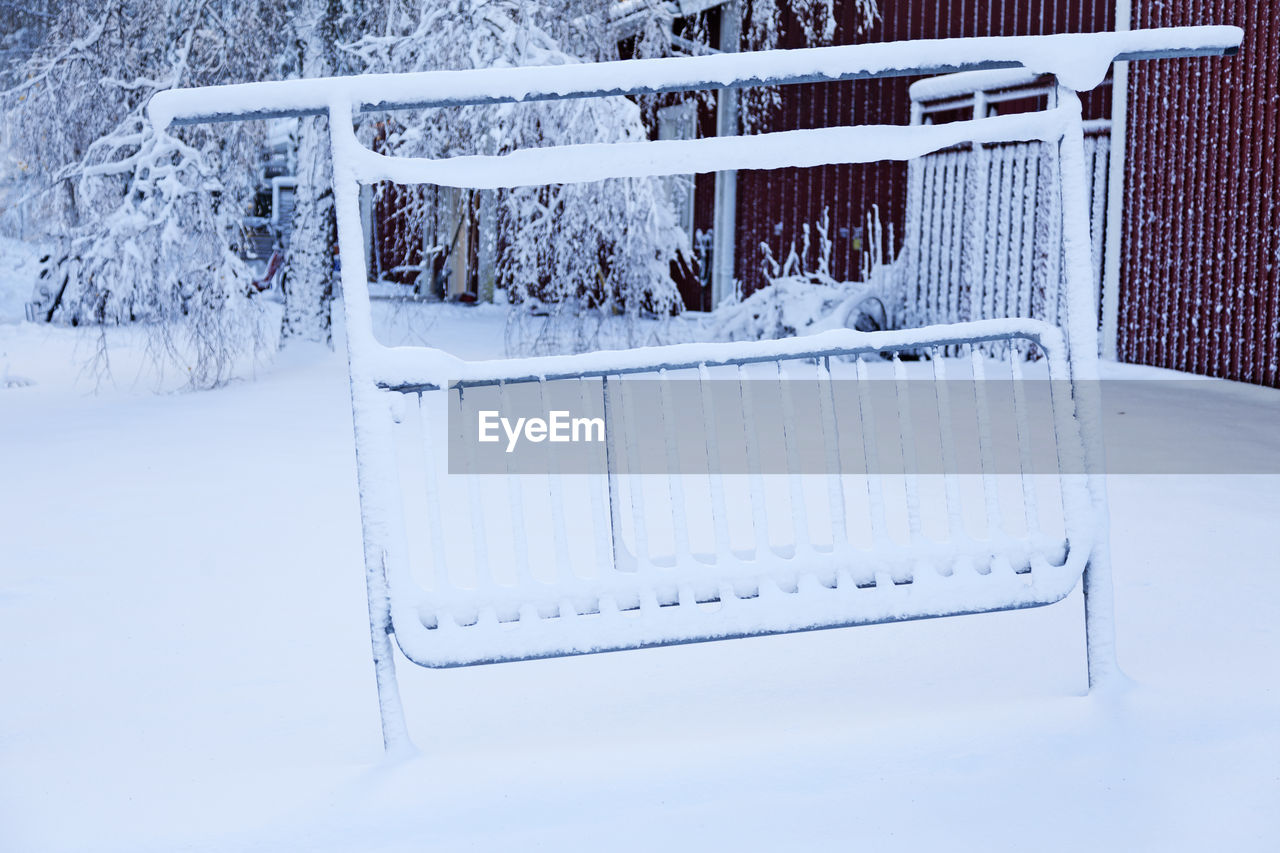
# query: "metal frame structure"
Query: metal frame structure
380,375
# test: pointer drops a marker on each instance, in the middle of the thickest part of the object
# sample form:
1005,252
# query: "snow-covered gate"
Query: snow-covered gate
982,224
866,567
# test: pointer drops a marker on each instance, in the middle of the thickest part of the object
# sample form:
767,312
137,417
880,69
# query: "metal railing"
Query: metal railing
982,220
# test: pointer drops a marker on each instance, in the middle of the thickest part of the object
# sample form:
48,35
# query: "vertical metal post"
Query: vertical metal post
724,242
612,450
371,422
1082,343
973,251
913,275
1115,193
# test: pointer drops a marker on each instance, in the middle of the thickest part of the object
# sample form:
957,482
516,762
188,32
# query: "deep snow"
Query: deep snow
185,661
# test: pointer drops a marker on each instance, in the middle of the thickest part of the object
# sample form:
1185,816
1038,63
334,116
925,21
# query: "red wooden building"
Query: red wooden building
1187,232
1197,269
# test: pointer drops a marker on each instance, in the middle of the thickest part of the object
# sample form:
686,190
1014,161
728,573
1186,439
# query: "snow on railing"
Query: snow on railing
802,148
1078,60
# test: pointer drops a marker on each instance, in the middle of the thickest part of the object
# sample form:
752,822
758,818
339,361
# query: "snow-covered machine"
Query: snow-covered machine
467,565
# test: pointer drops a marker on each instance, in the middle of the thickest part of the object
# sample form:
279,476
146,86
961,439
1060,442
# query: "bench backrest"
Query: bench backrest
738,491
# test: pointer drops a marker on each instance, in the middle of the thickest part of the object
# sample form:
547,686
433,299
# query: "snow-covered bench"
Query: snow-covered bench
469,569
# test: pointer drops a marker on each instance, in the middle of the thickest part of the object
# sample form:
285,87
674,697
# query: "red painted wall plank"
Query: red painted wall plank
1199,288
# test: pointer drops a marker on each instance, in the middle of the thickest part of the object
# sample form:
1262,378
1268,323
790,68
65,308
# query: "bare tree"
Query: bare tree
581,253
319,28
148,223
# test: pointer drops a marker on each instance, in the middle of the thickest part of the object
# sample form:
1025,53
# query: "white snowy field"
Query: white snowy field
184,663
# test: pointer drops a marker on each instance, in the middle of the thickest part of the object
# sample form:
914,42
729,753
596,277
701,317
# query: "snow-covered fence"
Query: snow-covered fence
983,221
636,595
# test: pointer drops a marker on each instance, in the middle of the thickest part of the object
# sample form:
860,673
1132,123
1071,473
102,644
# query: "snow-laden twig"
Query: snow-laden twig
148,220
571,256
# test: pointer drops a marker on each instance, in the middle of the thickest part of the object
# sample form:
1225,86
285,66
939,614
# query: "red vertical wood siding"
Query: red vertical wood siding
399,229
773,206
1199,289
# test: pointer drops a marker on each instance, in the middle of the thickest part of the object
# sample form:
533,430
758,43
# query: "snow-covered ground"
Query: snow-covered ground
184,663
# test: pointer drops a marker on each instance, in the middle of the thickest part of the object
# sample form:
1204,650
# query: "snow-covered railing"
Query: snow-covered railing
651,551
1079,61
501,568
982,220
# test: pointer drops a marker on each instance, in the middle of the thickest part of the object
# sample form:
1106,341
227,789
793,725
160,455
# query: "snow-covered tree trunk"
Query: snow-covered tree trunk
309,273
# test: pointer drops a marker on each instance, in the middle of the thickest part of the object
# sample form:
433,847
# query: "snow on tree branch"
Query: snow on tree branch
579,251
147,224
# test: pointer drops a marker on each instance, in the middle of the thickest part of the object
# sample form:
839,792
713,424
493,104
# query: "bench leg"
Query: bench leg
395,732
375,466
1099,623
1082,340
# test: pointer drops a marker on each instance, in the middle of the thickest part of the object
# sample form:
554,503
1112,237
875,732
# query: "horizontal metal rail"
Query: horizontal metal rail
1078,60
793,148
410,366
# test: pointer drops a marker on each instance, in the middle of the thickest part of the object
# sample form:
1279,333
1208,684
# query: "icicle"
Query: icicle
759,519
715,476
1025,464
946,429
959,204
643,558
947,256
990,232
1098,214
799,512
972,284
1026,234
614,465
917,212
431,484
831,443
1005,270
483,575
675,488
1054,279
875,489
983,409
941,247
516,499
910,468
555,493
601,524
